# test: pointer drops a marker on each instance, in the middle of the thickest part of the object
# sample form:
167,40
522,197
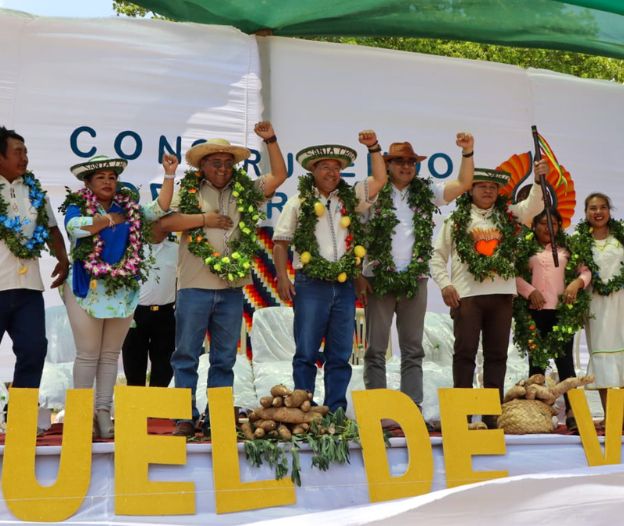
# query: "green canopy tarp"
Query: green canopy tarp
589,26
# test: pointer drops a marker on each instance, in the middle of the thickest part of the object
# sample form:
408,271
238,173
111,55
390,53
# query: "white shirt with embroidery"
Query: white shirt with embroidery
16,273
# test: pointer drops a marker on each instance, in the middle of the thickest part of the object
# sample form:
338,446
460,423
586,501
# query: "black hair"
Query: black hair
553,212
600,195
5,135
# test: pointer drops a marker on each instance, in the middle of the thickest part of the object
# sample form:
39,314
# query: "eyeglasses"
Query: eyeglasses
217,165
405,162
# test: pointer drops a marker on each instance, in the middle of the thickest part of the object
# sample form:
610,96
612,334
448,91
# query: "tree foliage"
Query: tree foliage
578,64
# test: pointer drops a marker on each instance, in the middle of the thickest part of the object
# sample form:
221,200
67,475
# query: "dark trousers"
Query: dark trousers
488,315
545,320
22,316
153,336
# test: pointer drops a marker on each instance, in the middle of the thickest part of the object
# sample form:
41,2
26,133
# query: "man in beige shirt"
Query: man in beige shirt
217,212
26,223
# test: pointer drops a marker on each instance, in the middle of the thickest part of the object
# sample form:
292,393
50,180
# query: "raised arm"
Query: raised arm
170,164
463,183
379,175
279,172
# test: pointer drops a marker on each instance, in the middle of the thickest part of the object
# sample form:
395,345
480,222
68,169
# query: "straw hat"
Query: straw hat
97,163
211,146
486,175
311,155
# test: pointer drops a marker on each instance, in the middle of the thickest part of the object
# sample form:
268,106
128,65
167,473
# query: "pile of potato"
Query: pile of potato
283,414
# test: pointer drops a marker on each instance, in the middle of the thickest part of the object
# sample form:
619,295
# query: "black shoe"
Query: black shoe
491,421
184,428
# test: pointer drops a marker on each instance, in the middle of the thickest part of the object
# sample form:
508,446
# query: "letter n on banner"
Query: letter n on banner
232,494
370,407
460,443
24,496
135,450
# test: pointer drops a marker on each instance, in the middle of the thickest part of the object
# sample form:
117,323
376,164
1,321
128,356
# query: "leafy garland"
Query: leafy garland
570,317
482,267
328,439
304,241
237,261
11,227
381,230
132,268
583,241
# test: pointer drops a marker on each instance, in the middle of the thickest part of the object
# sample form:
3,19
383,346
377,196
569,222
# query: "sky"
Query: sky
63,8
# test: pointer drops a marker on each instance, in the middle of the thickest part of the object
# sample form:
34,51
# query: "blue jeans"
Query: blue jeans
22,315
324,309
220,312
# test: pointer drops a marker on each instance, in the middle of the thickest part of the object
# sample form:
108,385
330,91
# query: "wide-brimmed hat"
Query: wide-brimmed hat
311,155
402,150
211,146
97,163
499,177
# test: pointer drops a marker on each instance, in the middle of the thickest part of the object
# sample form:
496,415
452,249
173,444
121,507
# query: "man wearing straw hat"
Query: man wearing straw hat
321,222
394,279
218,208
479,239
26,224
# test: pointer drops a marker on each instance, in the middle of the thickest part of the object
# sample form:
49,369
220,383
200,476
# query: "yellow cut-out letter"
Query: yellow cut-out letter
587,430
232,494
461,444
135,450
24,496
370,407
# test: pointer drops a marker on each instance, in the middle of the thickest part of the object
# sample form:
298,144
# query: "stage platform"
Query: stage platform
340,487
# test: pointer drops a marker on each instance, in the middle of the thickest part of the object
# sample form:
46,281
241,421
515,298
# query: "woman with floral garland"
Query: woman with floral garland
106,229
544,324
599,241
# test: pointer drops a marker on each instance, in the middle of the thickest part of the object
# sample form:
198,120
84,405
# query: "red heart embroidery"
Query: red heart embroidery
486,248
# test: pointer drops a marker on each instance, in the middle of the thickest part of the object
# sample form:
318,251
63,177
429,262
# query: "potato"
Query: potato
280,390
266,401
296,398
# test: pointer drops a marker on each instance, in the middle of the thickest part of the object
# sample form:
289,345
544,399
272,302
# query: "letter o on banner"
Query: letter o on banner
431,164
138,145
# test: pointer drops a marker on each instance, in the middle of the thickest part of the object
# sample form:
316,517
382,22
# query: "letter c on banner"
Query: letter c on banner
432,169
27,499
73,141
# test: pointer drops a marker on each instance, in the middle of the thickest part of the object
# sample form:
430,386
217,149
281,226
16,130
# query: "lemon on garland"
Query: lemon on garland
345,221
342,277
242,249
305,257
319,209
359,251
